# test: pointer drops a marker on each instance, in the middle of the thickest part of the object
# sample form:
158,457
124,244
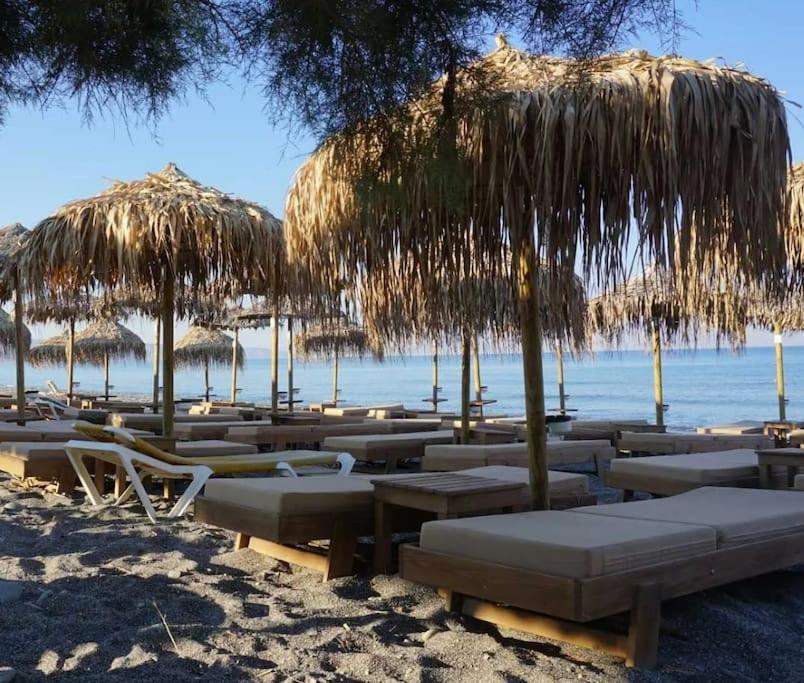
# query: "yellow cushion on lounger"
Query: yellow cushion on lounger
799,482
564,544
213,448
294,495
694,468
561,483
738,515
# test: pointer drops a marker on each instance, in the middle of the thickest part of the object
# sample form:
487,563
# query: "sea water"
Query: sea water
701,387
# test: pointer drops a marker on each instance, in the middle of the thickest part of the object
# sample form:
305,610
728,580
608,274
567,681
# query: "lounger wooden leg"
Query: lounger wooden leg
643,632
100,476
168,489
452,601
241,541
119,481
65,479
341,556
383,537
628,494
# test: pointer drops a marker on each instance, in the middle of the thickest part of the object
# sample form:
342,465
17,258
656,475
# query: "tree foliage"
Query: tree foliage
323,64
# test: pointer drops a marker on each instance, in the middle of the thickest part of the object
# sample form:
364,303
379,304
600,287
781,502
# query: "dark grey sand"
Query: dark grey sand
106,594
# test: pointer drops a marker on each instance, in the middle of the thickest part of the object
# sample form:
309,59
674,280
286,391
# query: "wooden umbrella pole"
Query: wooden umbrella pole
106,376
206,379
290,364
777,343
335,377
476,361
466,352
235,342
531,327
167,356
70,362
275,359
435,376
157,341
19,341
658,389
562,397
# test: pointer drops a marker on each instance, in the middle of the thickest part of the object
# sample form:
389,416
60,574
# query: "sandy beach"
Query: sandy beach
107,596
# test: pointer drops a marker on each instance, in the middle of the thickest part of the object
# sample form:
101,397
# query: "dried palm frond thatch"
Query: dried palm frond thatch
51,351
332,338
105,340
128,235
399,312
794,231
12,239
202,346
682,161
587,154
650,302
8,337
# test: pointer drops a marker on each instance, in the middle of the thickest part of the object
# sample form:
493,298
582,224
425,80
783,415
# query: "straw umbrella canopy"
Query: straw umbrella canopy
335,339
50,351
105,340
8,336
649,304
12,239
205,346
684,161
400,320
166,233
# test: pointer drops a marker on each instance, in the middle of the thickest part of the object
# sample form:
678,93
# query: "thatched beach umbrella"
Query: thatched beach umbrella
8,337
335,339
203,346
649,303
166,233
12,238
398,310
105,340
684,161
51,351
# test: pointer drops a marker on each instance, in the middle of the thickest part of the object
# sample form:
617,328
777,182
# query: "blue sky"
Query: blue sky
227,140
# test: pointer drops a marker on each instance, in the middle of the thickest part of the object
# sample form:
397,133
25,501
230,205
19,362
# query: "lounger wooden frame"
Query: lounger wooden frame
56,469
274,534
560,607
658,486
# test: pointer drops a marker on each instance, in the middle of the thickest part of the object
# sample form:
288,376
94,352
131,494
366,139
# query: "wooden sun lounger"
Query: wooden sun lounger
153,422
669,475
698,541
199,431
274,517
581,430
280,437
387,448
453,457
688,442
734,428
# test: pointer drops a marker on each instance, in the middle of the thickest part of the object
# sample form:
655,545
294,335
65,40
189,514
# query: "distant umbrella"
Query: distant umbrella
8,336
105,340
206,347
52,351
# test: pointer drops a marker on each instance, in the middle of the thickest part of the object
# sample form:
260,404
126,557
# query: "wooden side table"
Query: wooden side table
446,494
791,458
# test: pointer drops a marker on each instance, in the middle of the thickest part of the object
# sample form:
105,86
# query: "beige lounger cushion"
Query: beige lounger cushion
799,482
734,428
195,449
561,483
739,515
32,450
452,457
797,437
379,441
293,495
693,468
563,544
684,442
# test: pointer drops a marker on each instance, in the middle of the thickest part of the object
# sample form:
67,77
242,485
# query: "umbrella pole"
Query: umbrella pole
235,342
290,364
435,376
157,341
777,343
70,363
658,389
562,397
106,376
466,353
19,341
531,328
206,380
275,359
167,356
335,377
478,383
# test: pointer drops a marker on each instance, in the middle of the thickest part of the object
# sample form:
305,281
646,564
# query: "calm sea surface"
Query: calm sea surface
701,387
